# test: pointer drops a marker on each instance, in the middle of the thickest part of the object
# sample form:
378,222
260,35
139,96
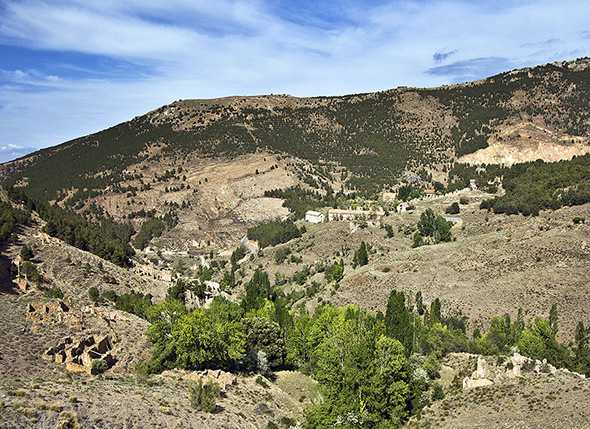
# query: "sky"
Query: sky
72,67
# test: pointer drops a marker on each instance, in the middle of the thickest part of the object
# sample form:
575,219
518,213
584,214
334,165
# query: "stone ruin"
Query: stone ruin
82,355
53,311
514,367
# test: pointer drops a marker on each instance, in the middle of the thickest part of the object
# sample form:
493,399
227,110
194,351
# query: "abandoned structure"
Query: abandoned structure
313,216
355,215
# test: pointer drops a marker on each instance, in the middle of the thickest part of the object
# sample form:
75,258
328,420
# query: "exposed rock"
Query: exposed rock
469,383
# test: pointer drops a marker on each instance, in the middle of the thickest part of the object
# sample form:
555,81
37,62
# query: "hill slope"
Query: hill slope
375,136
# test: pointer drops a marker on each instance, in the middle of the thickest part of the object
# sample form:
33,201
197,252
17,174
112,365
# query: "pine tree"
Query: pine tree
361,256
419,303
435,316
398,320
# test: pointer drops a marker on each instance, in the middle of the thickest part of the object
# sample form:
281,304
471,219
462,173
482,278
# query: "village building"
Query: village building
313,216
355,215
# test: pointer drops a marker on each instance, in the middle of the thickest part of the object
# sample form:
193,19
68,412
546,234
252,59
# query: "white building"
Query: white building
312,216
355,215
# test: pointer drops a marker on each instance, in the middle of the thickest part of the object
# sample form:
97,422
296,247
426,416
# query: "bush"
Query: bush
29,270
203,396
54,292
93,294
281,254
437,392
26,253
335,272
453,208
99,366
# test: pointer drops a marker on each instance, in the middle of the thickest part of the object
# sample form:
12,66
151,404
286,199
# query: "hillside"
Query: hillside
375,136
163,272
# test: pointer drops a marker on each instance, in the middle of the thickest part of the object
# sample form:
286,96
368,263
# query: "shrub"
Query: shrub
26,253
335,272
281,254
437,392
261,381
54,292
203,396
99,366
94,294
453,208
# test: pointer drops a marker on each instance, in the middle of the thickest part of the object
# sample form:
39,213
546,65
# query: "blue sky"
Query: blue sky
69,68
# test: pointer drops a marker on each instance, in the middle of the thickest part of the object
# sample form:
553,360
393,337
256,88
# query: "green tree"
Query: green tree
263,336
361,256
257,290
399,320
200,341
419,303
435,311
388,391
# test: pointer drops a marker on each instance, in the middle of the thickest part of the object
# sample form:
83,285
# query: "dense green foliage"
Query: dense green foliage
374,370
532,187
10,218
432,229
361,256
273,233
104,237
409,192
299,200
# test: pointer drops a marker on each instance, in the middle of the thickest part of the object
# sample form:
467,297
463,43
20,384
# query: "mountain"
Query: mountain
159,273
376,137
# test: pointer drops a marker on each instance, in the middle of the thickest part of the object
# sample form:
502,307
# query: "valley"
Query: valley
405,258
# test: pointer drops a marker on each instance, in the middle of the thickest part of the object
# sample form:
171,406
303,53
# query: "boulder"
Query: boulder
469,383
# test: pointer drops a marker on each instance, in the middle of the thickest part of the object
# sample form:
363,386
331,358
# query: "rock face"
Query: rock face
83,355
222,378
479,378
513,367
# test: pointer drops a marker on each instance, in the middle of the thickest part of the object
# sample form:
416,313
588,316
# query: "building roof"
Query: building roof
312,213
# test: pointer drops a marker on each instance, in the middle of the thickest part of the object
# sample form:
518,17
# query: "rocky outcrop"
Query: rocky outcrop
513,367
90,354
222,378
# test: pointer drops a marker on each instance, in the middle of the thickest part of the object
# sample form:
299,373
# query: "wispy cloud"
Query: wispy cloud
71,67
439,57
472,69
12,151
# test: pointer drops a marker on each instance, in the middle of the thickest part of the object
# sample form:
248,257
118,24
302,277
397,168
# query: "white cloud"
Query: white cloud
198,49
